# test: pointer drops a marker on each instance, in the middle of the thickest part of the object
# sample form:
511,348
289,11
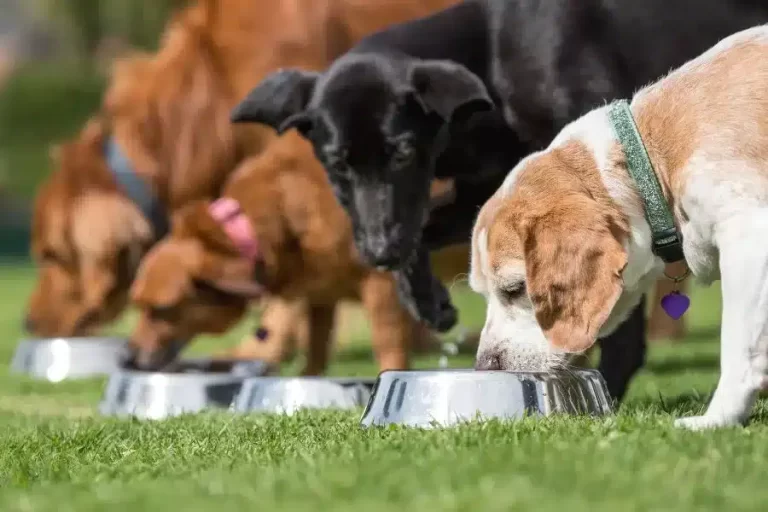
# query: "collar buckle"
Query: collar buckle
668,246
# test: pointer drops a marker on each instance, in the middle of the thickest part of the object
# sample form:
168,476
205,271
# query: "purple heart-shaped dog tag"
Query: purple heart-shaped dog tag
675,304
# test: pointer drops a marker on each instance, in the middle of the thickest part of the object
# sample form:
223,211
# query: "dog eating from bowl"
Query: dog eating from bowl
563,250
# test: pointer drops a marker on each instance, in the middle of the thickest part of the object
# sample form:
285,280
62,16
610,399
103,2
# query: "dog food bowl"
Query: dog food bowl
189,386
446,397
286,395
56,359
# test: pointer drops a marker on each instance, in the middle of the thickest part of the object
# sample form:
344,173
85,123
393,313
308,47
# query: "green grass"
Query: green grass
56,453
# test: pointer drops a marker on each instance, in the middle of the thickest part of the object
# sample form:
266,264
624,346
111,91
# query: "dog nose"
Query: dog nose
487,362
382,258
29,325
127,357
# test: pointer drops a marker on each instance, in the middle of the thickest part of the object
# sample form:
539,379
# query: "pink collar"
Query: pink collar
227,212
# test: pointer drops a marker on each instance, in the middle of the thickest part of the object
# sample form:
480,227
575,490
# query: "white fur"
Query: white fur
725,231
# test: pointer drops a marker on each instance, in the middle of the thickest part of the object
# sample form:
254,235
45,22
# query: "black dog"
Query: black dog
466,93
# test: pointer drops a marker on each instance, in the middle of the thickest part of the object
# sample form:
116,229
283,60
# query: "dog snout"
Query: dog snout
128,356
379,252
154,359
383,260
488,361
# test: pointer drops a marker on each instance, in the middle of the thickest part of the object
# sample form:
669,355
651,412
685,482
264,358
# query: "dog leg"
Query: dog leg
622,353
423,295
744,331
392,328
321,320
282,325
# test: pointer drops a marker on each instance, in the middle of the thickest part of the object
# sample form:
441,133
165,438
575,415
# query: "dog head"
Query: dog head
377,125
87,240
194,281
550,253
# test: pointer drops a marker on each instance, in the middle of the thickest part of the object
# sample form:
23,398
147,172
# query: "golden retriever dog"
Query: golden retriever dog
277,229
163,138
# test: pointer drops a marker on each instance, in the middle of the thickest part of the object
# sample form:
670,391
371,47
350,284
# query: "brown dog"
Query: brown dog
284,325
299,247
164,138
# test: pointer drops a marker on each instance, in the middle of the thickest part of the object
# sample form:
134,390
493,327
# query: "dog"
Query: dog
578,231
276,229
486,82
283,326
163,138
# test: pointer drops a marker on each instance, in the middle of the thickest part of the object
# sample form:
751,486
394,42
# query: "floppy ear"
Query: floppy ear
164,276
449,89
234,276
103,224
573,264
279,101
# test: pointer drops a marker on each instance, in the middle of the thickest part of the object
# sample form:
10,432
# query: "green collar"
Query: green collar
667,240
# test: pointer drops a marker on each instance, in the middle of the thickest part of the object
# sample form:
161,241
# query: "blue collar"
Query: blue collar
137,189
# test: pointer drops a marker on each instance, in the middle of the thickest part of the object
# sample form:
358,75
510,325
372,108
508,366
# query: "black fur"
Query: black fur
466,93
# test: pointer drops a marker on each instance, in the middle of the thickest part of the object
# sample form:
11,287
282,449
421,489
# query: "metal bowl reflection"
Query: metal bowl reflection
57,359
287,395
438,398
188,386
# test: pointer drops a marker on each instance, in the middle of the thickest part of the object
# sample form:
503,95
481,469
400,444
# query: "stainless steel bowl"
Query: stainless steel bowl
286,395
189,386
447,397
56,359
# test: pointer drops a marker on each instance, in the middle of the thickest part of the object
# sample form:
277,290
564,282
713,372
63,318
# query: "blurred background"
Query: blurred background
54,60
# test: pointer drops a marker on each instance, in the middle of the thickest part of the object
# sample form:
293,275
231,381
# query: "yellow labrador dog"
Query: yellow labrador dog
579,231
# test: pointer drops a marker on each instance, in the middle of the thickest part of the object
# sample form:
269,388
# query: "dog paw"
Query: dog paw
705,422
424,296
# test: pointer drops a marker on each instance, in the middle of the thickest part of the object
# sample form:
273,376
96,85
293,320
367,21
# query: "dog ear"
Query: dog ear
449,89
164,277
279,101
244,288
107,223
219,265
573,262
234,276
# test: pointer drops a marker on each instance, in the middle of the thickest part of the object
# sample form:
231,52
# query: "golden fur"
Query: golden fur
169,113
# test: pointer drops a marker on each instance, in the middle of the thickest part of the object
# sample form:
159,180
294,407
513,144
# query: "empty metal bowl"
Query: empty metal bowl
447,397
189,386
287,395
56,359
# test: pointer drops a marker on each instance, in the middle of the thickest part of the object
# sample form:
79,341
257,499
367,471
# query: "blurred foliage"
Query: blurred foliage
41,105
83,24
46,103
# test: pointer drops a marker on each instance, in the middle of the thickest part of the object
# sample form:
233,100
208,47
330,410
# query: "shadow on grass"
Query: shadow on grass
685,404
698,362
702,335
354,354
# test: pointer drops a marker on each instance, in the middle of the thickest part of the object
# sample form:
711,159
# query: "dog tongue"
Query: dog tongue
675,304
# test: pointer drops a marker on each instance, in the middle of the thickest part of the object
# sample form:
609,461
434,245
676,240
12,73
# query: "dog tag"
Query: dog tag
675,304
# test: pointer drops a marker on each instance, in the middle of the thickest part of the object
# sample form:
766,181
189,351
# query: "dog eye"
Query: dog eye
48,257
512,293
337,166
403,153
161,312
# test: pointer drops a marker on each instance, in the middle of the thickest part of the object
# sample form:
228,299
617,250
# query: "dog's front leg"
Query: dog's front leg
423,295
744,331
321,318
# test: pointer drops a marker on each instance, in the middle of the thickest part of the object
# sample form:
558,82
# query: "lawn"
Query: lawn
56,453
